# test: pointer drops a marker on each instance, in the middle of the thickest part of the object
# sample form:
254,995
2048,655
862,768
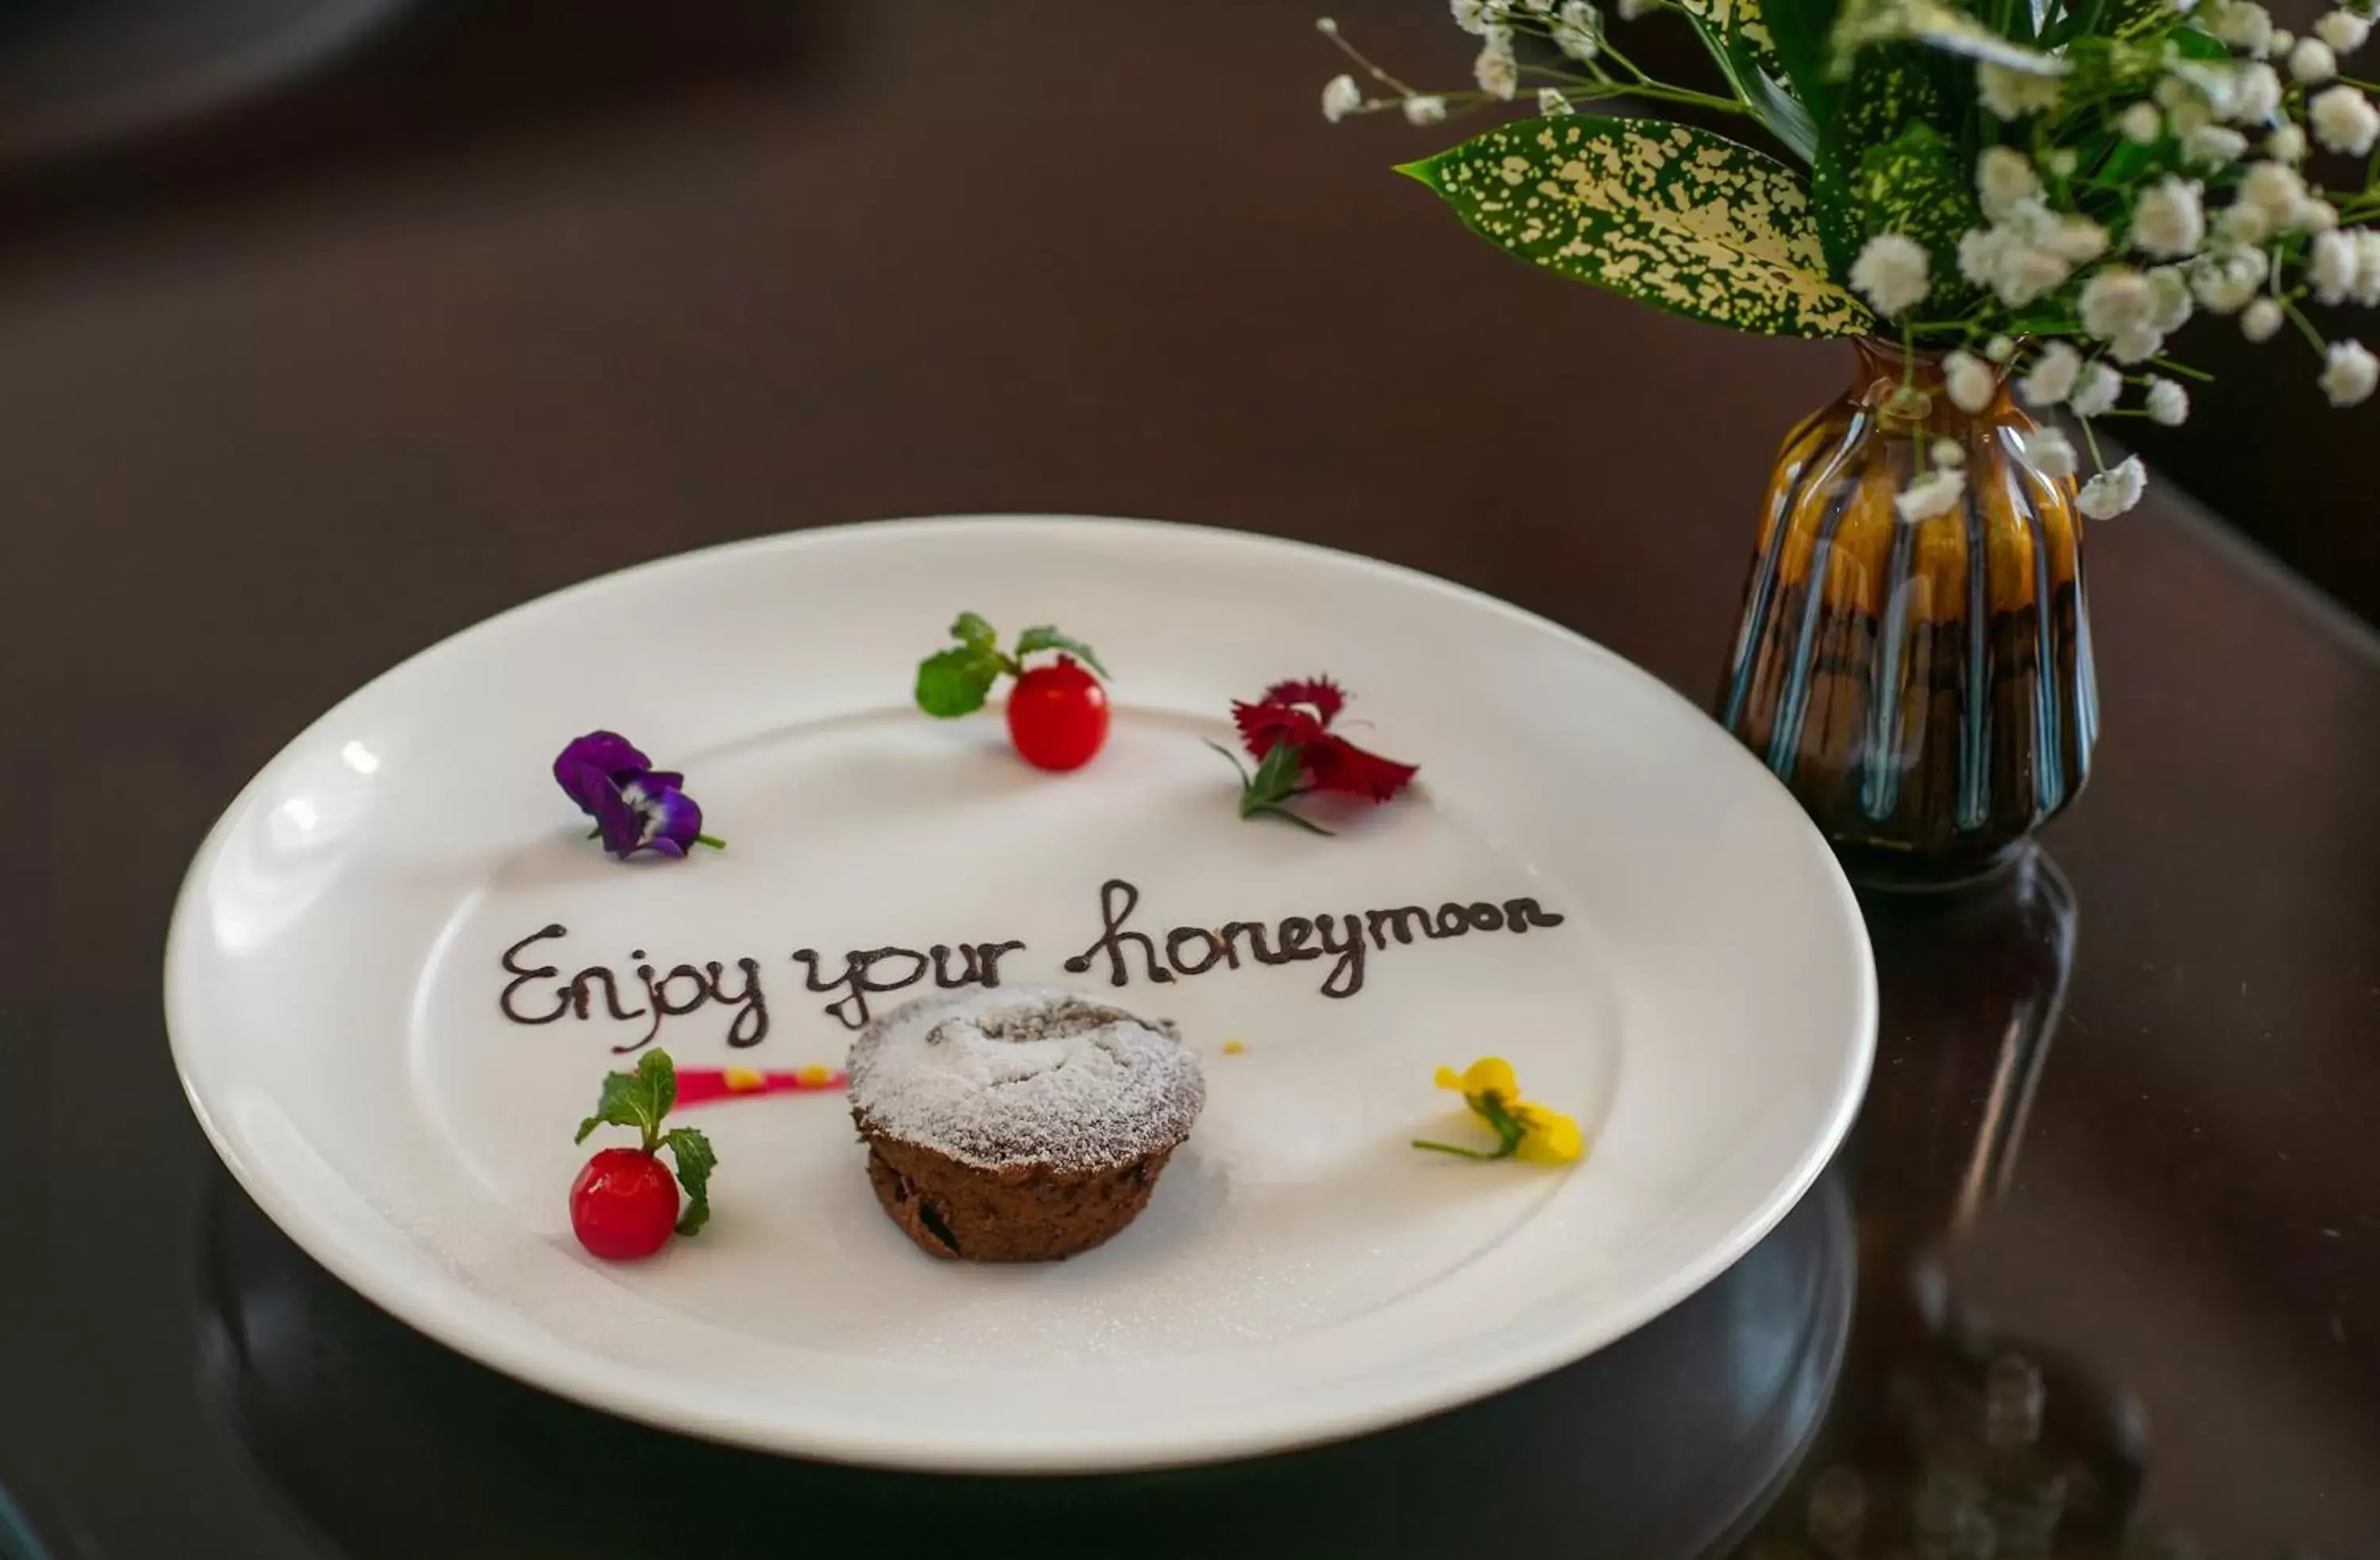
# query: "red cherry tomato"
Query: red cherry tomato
1058,715
624,1204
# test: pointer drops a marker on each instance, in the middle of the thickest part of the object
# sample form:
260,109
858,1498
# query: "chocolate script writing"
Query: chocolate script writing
538,994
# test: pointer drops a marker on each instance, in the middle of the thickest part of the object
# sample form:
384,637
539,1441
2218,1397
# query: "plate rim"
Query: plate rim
452,1318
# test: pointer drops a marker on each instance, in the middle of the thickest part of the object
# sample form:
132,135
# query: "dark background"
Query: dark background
514,294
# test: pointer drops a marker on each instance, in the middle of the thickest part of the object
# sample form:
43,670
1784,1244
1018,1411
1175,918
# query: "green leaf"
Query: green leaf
618,1106
1890,90
975,633
1664,214
1736,35
695,1162
1047,638
956,681
635,1099
2136,21
1801,34
1267,791
659,1077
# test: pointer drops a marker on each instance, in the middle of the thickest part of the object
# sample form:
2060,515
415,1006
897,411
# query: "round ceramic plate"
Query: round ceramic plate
1688,976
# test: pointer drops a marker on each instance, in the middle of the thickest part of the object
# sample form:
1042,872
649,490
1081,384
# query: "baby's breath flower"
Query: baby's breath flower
1890,273
2169,219
2062,161
2141,123
2003,177
2115,299
2244,25
2075,238
1949,452
1578,30
2311,61
2315,215
2261,321
2095,389
2167,402
1473,16
2051,378
2256,96
2344,120
2111,493
2136,344
1425,108
2012,94
1341,98
2277,189
1631,10
2049,452
2000,349
2367,268
2212,145
2283,42
1930,493
2331,265
2343,30
1551,101
2348,374
2286,145
2170,296
2244,222
1498,73
2226,280
1969,380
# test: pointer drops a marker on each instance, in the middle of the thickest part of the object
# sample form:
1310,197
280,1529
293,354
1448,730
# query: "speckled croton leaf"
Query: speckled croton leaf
1664,214
1887,164
1737,36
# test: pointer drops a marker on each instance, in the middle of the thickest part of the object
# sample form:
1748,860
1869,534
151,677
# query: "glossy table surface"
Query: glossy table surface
2098,1274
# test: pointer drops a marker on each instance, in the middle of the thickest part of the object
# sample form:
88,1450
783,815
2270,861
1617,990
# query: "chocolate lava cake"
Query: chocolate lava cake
1020,1123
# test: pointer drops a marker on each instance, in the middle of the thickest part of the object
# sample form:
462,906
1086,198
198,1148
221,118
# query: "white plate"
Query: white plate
1705,1006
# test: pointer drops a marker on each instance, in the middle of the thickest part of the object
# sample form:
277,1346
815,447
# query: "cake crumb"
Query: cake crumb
1234,1048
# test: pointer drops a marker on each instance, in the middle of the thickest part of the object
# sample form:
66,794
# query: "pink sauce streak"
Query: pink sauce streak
700,1086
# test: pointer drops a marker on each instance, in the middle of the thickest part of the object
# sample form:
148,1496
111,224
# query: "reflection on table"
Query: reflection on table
1670,1443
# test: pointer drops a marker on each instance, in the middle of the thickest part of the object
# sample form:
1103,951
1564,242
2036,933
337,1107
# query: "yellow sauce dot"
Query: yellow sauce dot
744,1080
1232,1048
815,1076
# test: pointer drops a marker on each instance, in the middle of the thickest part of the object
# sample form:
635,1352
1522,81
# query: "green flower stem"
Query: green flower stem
711,840
2184,370
1508,1134
2305,326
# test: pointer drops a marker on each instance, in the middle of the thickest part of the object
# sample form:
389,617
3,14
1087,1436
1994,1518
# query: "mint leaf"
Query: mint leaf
1047,638
955,681
975,633
695,1162
659,1077
626,1101
637,1099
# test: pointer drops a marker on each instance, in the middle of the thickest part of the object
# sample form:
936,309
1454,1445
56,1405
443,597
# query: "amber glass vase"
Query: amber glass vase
1924,688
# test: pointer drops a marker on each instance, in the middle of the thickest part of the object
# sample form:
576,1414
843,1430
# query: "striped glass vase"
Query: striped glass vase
1924,687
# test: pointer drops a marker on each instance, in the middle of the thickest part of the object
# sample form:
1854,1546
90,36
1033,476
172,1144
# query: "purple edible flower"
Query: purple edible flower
635,806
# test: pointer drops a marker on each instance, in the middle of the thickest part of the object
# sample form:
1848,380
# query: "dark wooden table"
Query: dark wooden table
2103,1261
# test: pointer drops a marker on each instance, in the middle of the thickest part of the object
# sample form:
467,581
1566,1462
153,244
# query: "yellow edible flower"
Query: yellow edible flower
1533,1132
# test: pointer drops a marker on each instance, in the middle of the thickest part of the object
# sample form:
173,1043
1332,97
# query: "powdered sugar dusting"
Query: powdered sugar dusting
1026,1075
